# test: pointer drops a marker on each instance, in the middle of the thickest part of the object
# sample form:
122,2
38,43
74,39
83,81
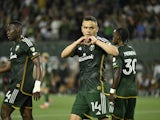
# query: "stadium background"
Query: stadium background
53,24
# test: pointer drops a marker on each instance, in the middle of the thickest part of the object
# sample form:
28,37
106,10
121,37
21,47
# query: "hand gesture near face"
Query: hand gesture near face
87,40
82,40
92,39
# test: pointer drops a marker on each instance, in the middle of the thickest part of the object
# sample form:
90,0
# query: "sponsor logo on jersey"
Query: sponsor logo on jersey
84,57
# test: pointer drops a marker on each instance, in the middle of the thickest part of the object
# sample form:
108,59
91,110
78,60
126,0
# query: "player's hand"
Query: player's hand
36,90
84,40
81,40
36,96
92,39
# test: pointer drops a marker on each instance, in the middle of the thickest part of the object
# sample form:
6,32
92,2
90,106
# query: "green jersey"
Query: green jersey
92,65
46,79
126,60
21,55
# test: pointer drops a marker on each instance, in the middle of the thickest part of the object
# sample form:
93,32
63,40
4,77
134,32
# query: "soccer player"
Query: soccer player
124,84
23,56
92,50
46,79
5,76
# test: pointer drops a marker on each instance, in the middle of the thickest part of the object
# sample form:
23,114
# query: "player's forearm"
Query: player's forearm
116,78
110,49
37,84
68,50
38,73
38,69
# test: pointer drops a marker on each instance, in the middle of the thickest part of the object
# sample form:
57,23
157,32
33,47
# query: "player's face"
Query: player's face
116,38
45,59
12,32
89,28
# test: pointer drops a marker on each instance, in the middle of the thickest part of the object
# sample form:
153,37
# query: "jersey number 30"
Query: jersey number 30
130,65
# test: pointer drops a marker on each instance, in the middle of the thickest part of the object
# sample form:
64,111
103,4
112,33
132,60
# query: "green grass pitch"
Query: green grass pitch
148,108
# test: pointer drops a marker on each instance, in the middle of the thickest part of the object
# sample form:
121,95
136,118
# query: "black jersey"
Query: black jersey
92,65
21,55
126,60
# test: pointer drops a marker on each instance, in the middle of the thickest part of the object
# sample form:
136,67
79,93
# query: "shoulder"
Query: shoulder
27,41
131,47
103,39
122,49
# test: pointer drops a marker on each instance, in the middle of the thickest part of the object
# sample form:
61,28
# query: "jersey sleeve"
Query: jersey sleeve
30,48
116,62
103,40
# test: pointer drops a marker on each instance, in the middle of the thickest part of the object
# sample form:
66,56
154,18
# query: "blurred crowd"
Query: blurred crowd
49,20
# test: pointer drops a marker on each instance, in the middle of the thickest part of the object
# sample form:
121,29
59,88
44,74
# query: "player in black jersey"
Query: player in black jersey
23,56
92,50
124,86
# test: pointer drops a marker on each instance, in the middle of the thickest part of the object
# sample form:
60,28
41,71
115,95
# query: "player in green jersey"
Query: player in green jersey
46,79
92,50
123,92
23,56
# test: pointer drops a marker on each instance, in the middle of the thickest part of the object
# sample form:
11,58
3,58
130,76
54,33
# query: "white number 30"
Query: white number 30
130,66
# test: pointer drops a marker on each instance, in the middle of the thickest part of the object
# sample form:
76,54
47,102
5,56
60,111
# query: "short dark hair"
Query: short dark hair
90,18
123,33
17,23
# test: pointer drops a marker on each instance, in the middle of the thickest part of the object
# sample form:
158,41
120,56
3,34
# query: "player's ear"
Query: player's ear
119,37
18,30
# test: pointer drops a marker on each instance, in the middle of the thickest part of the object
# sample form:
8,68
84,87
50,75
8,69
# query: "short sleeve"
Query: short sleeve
30,48
116,62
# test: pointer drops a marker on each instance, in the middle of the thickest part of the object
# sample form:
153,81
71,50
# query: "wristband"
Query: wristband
37,86
112,91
